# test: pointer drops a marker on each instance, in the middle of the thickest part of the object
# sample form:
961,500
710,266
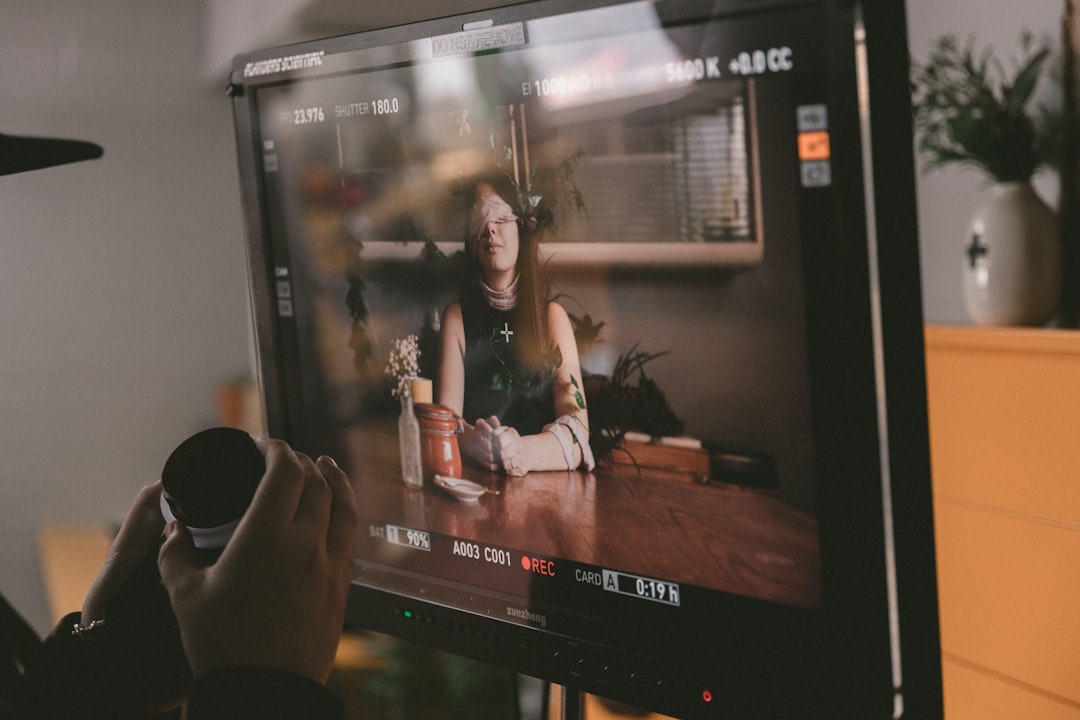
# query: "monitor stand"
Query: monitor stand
572,704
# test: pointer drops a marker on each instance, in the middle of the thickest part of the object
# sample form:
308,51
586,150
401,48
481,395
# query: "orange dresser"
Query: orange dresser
1005,441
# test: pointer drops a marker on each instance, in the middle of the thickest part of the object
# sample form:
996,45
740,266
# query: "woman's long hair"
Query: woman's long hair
533,292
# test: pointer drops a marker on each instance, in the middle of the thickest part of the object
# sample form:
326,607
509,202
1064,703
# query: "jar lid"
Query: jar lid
434,411
433,415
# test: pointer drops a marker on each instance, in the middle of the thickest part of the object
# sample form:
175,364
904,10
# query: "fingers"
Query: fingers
512,463
510,450
482,446
295,491
177,561
137,537
495,445
316,497
278,494
503,433
504,448
483,428
505,439
141,527
344,515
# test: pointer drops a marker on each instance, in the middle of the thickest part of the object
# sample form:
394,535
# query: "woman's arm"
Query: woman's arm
475,441
545,450
569,397
451,380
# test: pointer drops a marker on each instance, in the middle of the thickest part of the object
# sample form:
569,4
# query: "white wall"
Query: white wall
947,197
123,297
235,26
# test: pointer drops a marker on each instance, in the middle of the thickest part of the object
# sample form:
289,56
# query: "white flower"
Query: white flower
404,363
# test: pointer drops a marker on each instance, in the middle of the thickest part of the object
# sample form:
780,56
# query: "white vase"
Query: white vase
1012,258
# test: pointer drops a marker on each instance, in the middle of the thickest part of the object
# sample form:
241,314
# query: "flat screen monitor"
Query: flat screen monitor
706,487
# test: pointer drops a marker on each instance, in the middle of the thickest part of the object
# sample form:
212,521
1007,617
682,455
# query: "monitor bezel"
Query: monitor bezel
874,642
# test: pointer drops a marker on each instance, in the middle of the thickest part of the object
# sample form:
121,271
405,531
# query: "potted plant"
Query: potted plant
969,111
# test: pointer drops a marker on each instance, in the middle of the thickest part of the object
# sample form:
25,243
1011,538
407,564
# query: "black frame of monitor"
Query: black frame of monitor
872,649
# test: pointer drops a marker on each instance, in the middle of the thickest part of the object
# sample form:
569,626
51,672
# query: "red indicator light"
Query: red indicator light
538,566
706,695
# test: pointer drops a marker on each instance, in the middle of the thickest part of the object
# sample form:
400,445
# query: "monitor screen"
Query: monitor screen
627,262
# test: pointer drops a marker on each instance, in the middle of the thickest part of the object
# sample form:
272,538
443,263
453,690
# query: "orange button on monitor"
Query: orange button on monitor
814,145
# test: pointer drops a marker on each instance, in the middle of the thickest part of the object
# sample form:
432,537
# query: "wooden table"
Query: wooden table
716,536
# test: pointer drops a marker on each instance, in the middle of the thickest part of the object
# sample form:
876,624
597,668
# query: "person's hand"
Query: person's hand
509,450
495,447
478,443
145,667
138,536
276,596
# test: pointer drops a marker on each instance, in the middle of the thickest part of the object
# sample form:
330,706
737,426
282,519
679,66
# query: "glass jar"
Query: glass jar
439,430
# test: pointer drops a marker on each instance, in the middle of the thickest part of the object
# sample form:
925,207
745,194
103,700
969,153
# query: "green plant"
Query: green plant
618,406
967,111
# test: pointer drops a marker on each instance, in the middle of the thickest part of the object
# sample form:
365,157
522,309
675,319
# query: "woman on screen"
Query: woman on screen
508,360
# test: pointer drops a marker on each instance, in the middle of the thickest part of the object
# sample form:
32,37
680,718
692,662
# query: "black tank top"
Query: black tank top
499,380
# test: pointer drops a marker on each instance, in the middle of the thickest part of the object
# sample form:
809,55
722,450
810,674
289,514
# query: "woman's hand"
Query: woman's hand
477,444
276,596
495,447
509,449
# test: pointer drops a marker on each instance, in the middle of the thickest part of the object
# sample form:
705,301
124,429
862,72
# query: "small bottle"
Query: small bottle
412,473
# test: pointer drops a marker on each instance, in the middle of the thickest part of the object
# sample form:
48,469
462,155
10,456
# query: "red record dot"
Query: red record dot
706,695
525,563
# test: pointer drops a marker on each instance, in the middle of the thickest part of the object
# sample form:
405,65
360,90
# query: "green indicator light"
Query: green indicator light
407,613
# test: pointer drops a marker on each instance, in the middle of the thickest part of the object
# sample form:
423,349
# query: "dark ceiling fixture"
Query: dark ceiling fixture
19,153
